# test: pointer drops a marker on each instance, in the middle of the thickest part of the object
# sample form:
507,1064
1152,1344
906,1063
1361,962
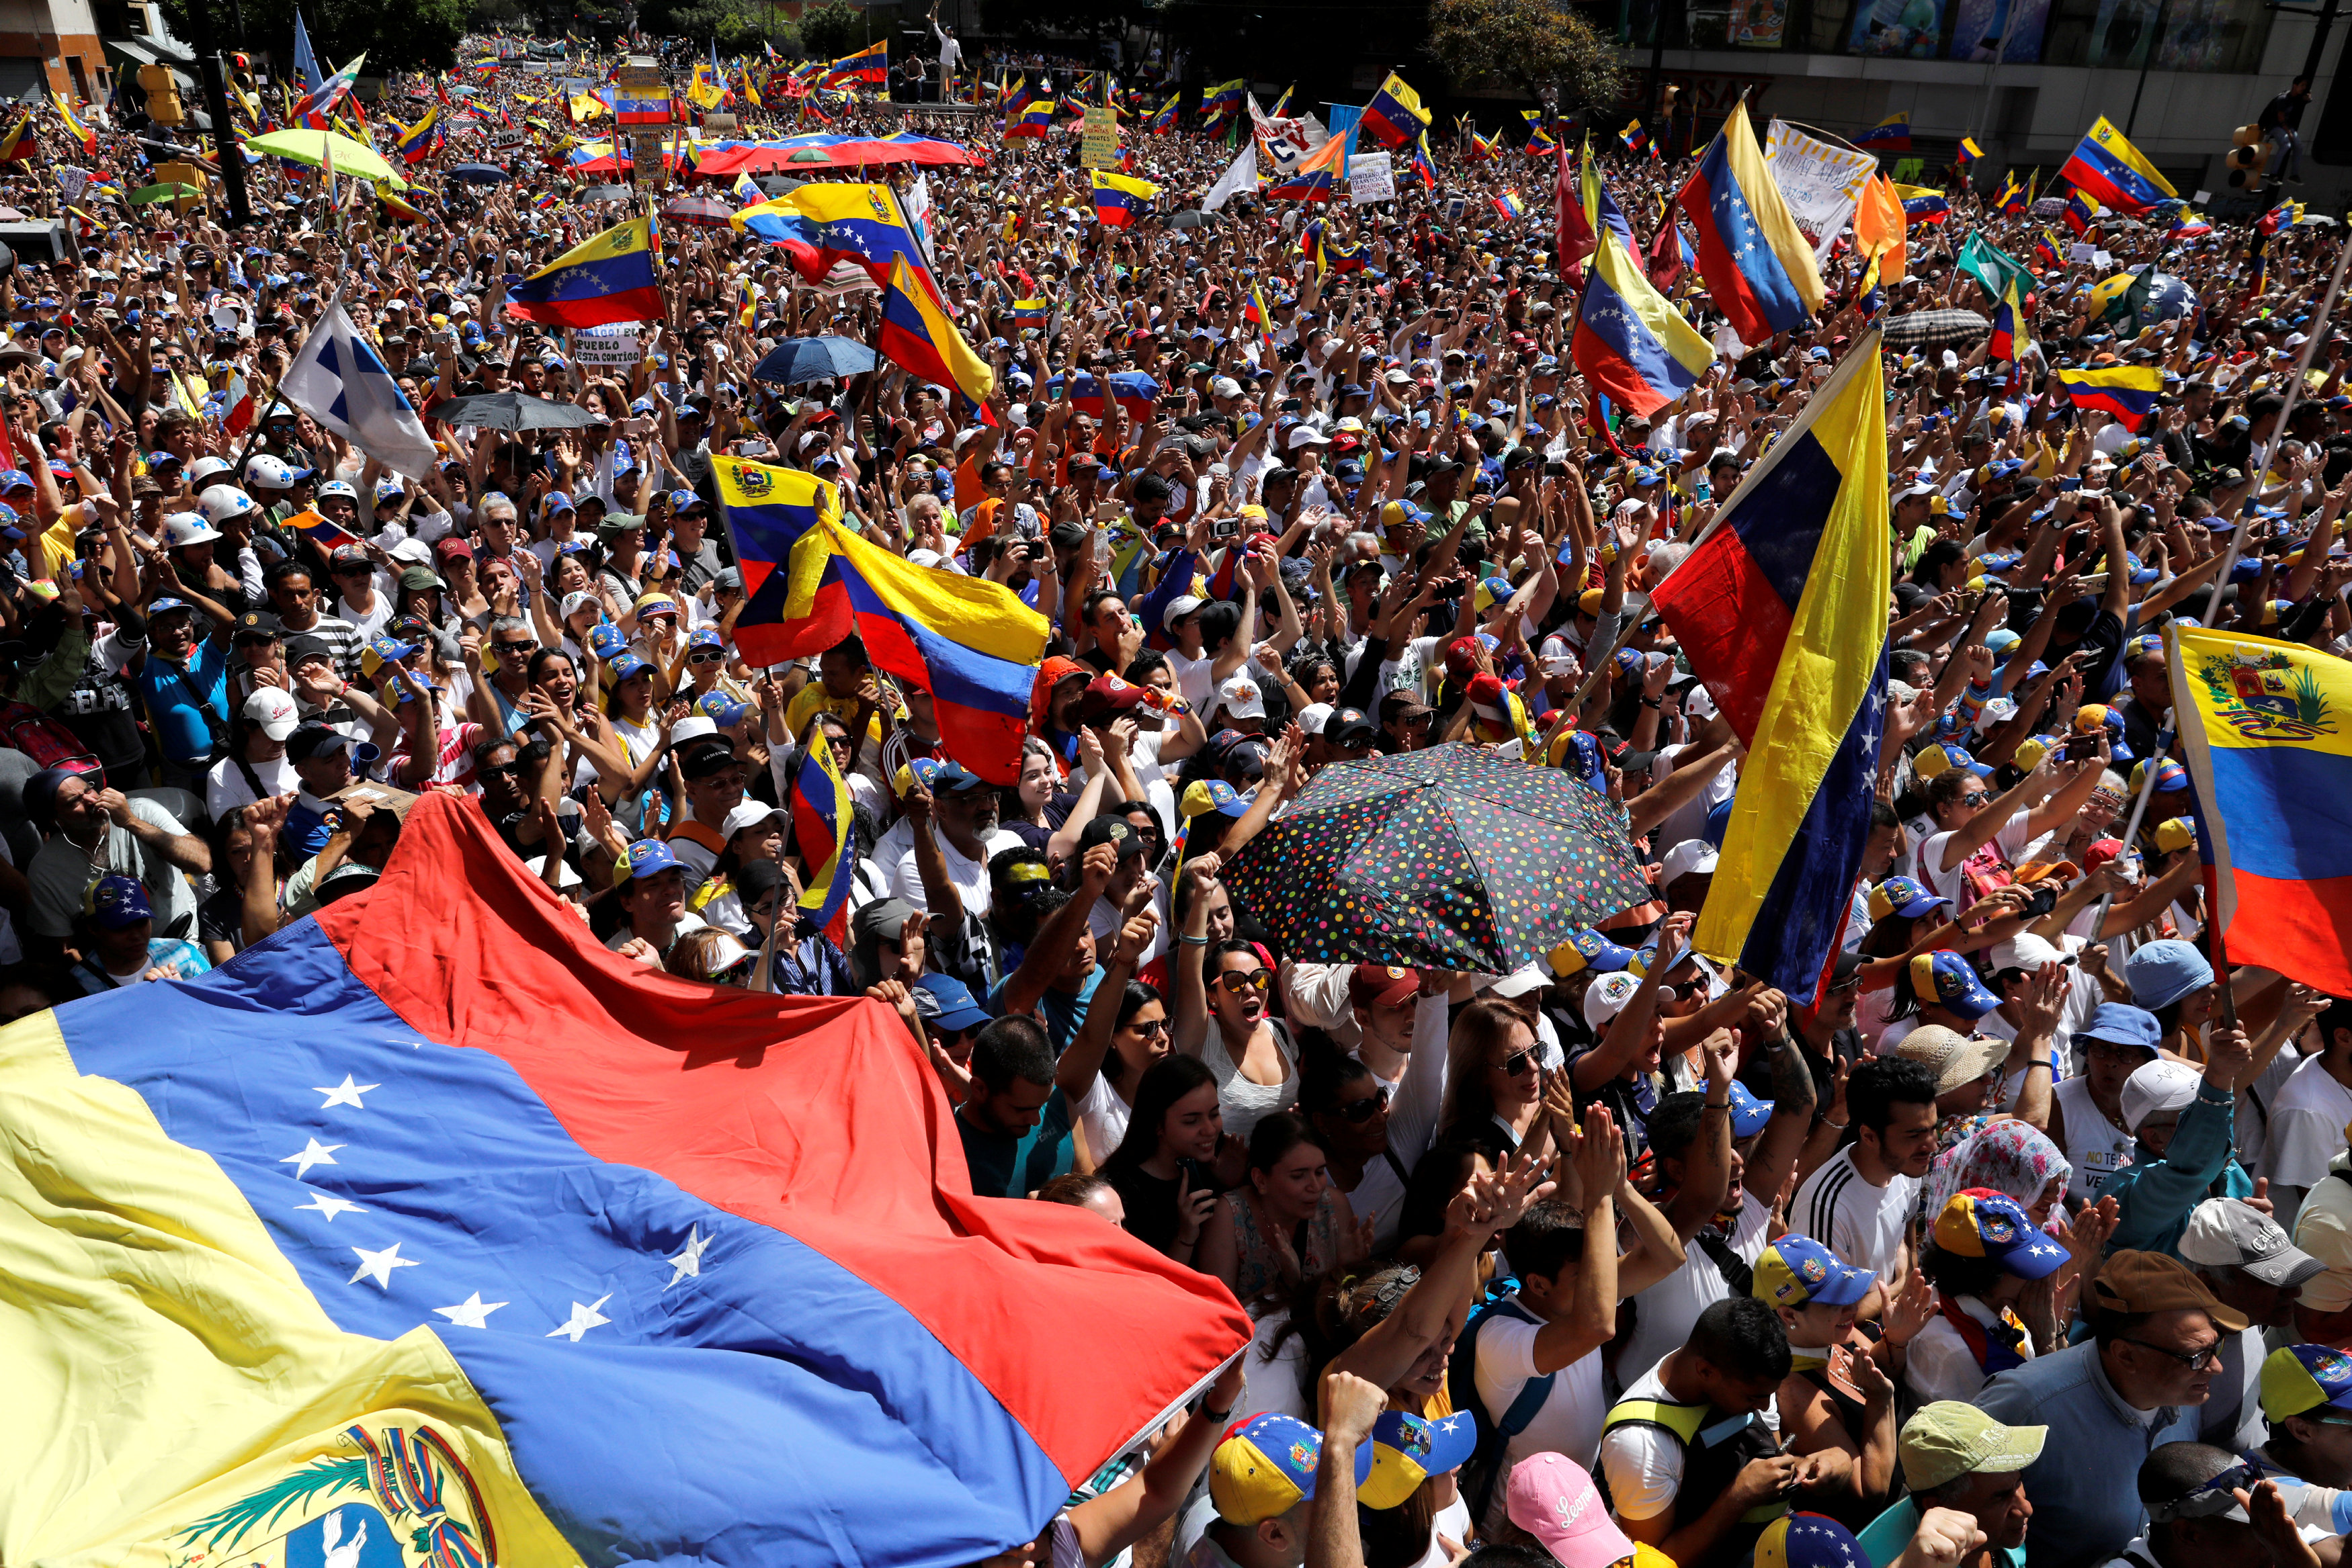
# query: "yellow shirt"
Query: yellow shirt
814,699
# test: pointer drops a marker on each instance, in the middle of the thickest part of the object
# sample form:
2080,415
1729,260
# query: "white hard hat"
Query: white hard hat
221,501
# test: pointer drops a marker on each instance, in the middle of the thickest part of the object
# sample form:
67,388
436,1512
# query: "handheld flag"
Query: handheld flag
1036,119
415,142
1781,609
916,333
1879,220
1395,115
1891,134
337,379
2266,730
76,127
1118,198
20,143
810,582
548,1192
1630,344
2081,212
2114,172
869,66
819,225
1510,207
306,63
609,277
824,834
2011,198
1923,204
2127,392
1757,263
1164,122
1317,178
1969,151
320,531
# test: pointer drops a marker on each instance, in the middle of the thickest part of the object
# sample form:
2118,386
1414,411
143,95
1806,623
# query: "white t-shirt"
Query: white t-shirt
1192,678
1569,1421
1102,1117
2306,1127
1664,1313
1643,1465
969,876
1938,1364
1863,1224
2011,841
225,789
2096,1146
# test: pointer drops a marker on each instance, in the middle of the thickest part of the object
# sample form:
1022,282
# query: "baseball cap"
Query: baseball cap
273,711
1608,997
313,739
1692,857
1982,1223
2300,1377
1901,895
957,1010
1408,1450
1265,1466
1807,1540
2229,1233
1239,697
1381,985
1748,1113
1949,980
1553,1497
1180,606
2156,1087
1955,1059
1116,831
119,902
1944,755
1947,1438
1205,795
1588,949
2161,973
1797,1271
2132,1281
1348,727
647,857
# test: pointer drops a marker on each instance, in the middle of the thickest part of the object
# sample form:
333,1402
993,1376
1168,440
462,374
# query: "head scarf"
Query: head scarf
2006,1156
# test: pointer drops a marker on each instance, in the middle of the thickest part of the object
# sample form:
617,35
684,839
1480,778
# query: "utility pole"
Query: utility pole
214,72
2154,36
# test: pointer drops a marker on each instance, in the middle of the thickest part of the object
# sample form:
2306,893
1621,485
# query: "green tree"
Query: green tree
1532,43
413,35
836,28
739,25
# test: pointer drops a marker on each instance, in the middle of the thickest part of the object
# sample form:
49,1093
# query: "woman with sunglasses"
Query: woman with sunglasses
1495,1081
1348,1109
1223,994
711,956
1114,1049
1287,1221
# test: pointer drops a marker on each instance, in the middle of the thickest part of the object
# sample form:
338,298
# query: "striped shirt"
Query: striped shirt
343,637
1863,1224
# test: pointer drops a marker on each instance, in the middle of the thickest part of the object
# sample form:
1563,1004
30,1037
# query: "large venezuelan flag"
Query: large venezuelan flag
1781,608
1631,344
2114,172
428,1234
1118,198
869,67
1755,259
810,582
2267,732
608,278
819,225
918,334
2127,392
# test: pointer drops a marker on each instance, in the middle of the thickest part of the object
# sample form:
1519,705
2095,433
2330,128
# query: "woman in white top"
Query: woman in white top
1098,1072
1228,986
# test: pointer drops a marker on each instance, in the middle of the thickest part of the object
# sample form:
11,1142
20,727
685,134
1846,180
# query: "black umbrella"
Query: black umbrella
477,174
608,193
1190,218
511,411
1448,859
1927,328
777,185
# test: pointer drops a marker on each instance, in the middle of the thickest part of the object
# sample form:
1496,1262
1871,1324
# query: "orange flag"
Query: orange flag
1878,229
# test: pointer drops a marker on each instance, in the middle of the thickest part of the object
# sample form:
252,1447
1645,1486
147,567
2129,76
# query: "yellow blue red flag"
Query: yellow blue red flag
2114,172
1781,609
1757,262
2266,730
1395,115
609,277
2127,392
916,333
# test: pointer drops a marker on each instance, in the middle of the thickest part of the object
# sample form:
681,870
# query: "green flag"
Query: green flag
2134,305
1991,267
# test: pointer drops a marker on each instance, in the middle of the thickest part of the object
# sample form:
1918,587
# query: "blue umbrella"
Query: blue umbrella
797,361
477,174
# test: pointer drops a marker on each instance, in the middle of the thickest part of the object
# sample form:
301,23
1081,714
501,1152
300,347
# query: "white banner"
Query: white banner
614,345
1371,177
1821,181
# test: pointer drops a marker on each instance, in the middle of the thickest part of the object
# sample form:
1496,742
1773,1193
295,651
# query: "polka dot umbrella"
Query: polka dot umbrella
1449,858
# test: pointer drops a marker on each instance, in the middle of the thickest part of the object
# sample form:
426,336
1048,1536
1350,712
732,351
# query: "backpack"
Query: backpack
1484,1468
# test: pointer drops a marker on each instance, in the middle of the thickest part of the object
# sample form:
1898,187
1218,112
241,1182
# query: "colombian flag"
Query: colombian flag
1116,198
1781,609
1632,345
825,836
870,65
2267,732
1755,260
370,1250
810,582
2114,172
1891,134
821,224
916,333
608,278
1396,116
1509,205
2127,392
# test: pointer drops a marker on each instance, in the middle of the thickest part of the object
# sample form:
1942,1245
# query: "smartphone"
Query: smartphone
2044,901
2070,483
2079,747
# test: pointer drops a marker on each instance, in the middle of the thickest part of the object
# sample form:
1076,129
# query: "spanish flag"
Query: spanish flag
2114,172
1396,116
1781,610
2266,729
1118,198
2127,392
918,334
611,278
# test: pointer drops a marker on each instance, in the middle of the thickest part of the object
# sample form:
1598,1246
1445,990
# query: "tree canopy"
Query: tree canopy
1532,44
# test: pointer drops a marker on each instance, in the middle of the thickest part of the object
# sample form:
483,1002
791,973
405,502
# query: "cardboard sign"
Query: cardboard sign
1371,177
614,345
1099,142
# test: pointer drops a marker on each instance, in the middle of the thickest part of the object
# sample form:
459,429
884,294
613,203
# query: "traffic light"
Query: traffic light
162,95
2249,156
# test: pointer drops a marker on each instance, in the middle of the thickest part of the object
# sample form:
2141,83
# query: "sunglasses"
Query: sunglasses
1519,1062
1362,1111
522,647
1979,798
2191,1359
1235,981
501,769
706,657
1149,1028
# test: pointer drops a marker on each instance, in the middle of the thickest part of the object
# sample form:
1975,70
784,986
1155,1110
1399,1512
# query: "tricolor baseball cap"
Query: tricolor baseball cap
1588,949
1981,1223
1264,1467
1797,1271
1408,1450
2299,1378
1807,1540
647,857
1949,980
1904,896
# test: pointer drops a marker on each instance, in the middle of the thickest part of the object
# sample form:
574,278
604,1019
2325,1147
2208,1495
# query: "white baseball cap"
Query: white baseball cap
2156,1087
1311,717
273,711
1690,857
1240,697
1608,997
